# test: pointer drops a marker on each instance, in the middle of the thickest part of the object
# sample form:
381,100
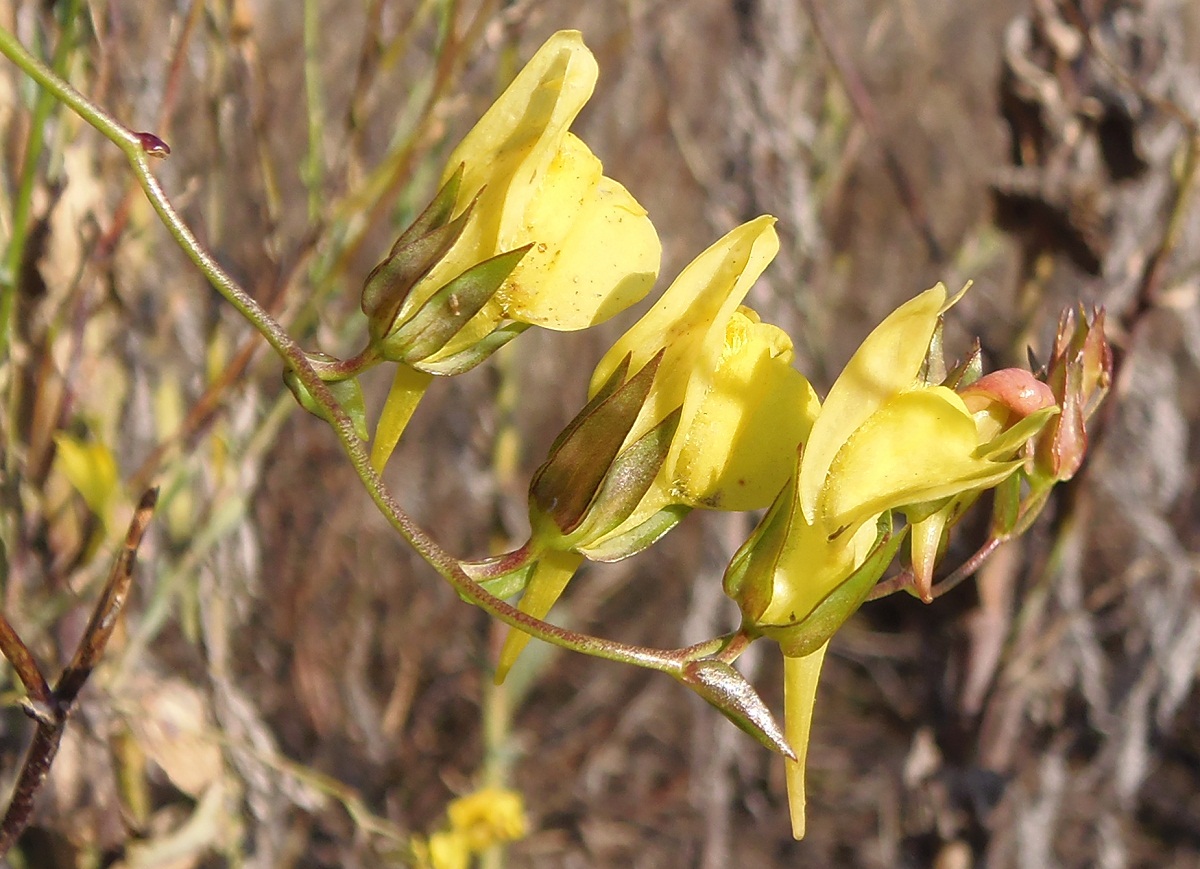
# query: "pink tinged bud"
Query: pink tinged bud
1014,388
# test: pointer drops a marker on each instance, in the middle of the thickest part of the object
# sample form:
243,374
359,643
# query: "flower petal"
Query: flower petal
572,278
746,421
689,320
885,364
919,446
524,128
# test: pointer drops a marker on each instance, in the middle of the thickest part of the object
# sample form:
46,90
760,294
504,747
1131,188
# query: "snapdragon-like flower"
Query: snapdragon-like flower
578,247
884,441
526,231
697,405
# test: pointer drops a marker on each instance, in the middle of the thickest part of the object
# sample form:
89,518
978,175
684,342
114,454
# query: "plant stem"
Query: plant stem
138,148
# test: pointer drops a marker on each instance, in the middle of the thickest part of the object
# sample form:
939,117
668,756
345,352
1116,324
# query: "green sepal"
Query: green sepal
642,537
1009,441
445,313
966,372
629,478
465,360
749,579
563,488
437,212
815,629
606,390
426,241
1006,506
728,691
933,368
347,392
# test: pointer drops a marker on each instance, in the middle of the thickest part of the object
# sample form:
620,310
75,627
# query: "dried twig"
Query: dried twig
50,708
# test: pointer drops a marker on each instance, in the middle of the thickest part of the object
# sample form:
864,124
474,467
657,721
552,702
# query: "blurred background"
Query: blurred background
294,688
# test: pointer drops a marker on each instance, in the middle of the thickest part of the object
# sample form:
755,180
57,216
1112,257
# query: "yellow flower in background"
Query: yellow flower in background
532,181
884,440
475,822
488,817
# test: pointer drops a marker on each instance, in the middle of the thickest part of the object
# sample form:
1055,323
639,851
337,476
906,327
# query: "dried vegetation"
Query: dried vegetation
292,687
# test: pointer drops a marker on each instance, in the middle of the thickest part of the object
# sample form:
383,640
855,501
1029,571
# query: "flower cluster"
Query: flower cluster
698,404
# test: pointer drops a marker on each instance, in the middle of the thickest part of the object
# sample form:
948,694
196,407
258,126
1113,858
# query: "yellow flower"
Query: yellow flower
711,418
723,379
527,231
884,440
448,849
532,181
487,817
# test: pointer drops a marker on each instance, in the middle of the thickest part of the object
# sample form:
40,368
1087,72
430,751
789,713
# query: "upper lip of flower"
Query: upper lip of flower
884,365
594,250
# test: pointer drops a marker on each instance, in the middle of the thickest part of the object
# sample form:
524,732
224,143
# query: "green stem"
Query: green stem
343,369
138,148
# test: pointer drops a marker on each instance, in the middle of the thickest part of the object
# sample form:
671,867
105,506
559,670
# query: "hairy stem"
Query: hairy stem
138,149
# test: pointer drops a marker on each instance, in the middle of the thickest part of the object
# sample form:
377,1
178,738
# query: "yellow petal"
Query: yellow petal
814,561
690,319
926,540
597,252
550,577
524,128
507,154
887,363
533,181
744,422
800,677
919,446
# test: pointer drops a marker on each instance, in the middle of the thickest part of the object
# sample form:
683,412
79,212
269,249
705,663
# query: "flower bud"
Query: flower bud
1079,374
